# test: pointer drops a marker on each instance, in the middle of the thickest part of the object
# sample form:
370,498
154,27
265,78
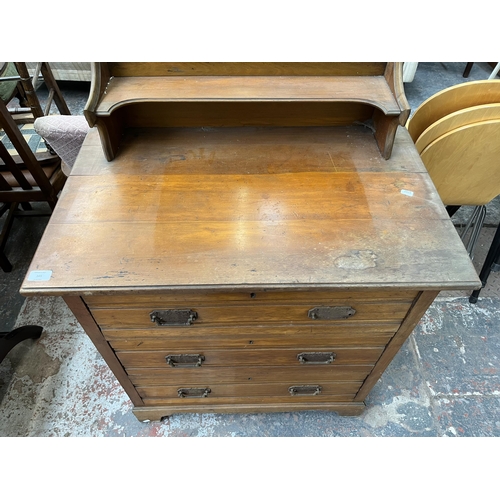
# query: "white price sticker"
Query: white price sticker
39,276
406,192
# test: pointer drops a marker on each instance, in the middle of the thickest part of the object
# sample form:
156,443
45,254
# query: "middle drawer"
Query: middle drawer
179,359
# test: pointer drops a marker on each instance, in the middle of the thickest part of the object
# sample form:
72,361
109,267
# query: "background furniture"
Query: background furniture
18,82
494,73
409,70
230,247
24,178
491,263
65,134
68,71
8,340
457,132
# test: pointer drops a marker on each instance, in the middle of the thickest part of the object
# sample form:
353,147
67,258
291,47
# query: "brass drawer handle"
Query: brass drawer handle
316,358
185,360
173,317
304,390
331,313
202,392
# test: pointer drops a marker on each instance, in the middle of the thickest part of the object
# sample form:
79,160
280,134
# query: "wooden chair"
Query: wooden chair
24,178
30,108
432,128
460,118
464,165
450,100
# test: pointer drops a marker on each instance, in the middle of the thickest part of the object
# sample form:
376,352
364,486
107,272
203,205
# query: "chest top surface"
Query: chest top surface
248,207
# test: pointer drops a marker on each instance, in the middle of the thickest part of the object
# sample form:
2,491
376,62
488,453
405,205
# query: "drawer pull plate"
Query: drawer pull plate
316,358
202,392
173,317
305,390
185,360
331,312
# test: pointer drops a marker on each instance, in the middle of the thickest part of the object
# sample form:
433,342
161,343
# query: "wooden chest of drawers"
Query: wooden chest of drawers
247,268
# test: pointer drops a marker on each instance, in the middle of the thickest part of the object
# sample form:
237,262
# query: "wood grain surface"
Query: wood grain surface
253,357
114,257
247,150
464,163
238,113
260,197
216,297
151,228
455,120
269,313
251,337
419,308
295,375
182,69
157,412
343,391
450,100
372,90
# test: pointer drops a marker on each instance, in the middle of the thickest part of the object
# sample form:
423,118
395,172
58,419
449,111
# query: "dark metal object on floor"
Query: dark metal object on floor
10,339
491,263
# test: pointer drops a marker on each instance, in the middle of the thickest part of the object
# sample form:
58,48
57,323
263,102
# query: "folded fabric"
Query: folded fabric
64,133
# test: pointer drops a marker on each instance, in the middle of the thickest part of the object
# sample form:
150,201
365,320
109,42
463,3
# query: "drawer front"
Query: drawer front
177,359
348,389
264,347
211,297
257,314
250,337
185,377
258,402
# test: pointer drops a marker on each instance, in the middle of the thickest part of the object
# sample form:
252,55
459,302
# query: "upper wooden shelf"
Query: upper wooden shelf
131,95
372,90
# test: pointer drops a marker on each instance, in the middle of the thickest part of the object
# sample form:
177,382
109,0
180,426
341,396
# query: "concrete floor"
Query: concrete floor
445,381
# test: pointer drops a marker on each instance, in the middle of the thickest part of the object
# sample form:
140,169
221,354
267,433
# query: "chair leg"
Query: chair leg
10,339
491,258
467,69
495,71
5,265
475,222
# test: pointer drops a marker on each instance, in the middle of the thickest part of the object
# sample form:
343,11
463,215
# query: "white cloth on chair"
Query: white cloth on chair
64,133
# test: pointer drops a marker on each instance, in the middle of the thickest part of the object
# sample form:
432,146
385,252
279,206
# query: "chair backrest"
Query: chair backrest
8,81
26,177
464,164
450,100
467,116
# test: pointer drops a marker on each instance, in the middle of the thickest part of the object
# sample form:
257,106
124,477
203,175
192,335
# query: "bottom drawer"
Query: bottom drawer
249,405
165,394
256,400
207,376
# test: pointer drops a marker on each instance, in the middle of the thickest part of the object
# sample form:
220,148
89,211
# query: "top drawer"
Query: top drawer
211,308
239,296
